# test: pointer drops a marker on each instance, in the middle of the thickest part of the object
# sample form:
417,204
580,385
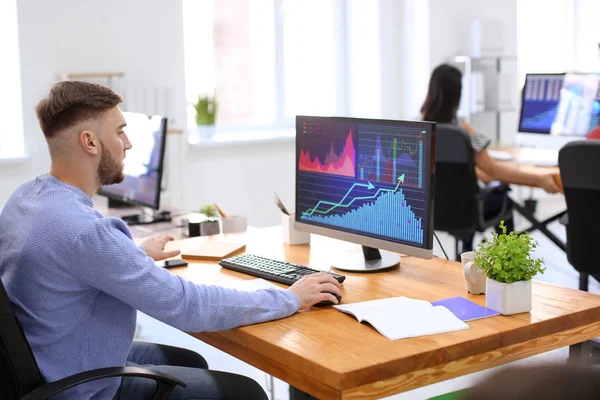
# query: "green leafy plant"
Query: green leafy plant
206,110
507,257
210,211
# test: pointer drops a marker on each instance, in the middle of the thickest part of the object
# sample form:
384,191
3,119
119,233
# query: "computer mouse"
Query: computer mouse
325,303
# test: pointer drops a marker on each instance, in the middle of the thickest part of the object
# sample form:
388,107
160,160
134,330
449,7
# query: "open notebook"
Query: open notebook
401,317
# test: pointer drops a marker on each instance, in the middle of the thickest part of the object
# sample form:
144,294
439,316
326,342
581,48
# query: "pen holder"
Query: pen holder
233,224
290,234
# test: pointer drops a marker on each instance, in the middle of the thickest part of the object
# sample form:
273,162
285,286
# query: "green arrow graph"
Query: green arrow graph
369,186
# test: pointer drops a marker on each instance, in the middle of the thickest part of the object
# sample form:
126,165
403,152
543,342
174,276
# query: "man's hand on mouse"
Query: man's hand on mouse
313,288
155,247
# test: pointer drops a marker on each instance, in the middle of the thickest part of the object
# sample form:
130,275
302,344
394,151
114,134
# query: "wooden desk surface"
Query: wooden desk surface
330,355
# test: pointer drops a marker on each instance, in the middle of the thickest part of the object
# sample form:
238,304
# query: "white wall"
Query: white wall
449,26
141,38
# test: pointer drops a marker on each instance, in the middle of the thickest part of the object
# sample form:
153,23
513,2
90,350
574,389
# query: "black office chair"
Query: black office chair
20,377
458,197
579,164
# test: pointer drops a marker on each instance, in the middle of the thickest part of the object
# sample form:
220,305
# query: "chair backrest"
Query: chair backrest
579,164
456,206
19,372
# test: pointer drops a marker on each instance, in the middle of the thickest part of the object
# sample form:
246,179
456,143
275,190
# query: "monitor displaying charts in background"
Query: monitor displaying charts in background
579,106
560,107
539,102
369,182
143,165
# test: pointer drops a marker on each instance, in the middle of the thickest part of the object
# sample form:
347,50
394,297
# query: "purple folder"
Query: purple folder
465,309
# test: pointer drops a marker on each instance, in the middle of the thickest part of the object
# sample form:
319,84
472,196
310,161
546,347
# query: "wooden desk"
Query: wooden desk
330,355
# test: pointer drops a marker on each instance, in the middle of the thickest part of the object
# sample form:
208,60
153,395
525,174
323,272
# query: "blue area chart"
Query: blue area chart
388,215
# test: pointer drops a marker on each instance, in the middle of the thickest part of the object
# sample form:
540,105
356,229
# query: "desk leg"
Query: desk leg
541,226
579,354
297,394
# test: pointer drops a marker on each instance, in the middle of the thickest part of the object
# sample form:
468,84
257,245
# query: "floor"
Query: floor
558,272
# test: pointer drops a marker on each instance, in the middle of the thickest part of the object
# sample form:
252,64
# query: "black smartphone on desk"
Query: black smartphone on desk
171,263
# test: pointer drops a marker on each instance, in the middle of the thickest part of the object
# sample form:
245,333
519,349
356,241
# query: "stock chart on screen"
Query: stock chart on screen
363,176
539,106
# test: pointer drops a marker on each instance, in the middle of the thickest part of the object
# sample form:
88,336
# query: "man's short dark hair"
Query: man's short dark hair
71,102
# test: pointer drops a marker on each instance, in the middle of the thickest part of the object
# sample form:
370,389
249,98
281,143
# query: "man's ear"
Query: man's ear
90,142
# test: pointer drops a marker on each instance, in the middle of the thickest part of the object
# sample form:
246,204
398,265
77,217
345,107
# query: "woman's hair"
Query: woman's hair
443,95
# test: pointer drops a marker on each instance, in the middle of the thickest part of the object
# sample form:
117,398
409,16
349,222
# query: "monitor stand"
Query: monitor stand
147,216
370,261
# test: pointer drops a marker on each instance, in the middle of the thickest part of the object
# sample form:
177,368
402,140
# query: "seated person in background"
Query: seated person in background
551,382
441,105
76,279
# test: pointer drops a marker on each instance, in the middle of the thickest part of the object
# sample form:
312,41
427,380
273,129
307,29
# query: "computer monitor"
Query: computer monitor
369,182
539,102
143,166
579,107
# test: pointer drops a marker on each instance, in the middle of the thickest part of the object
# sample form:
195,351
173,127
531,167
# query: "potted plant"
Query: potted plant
206,113
506,261
210,224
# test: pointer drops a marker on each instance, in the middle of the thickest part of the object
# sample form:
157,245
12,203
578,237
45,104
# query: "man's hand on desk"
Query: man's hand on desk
155,247
314,288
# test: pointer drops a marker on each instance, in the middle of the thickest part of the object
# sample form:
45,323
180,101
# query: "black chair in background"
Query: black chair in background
20,377
458,197
579,164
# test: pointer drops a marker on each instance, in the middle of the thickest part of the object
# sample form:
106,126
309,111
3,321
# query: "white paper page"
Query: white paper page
386,307
401,317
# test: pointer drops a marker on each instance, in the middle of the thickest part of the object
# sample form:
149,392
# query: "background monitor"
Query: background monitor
367,181
579,107
539,102
143,162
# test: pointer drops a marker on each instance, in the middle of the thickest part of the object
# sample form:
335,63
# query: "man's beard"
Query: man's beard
110,171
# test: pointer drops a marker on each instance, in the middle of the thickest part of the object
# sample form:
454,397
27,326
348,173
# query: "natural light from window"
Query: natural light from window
11,106
543,36
264,61
310,52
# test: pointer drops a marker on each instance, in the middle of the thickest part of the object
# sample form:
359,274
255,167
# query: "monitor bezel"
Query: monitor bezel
134,202
537,132
426,251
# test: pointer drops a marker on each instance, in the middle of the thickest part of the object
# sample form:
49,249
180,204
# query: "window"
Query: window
587,35
265,61
558,36
11,107
543,36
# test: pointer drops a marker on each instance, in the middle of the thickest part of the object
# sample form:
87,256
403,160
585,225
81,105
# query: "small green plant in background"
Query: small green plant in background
507,257
210,211
206,110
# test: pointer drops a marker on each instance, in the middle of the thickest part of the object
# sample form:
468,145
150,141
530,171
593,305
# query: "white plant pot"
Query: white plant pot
508,298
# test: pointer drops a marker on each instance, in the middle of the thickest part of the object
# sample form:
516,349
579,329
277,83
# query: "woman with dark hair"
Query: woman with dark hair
441,105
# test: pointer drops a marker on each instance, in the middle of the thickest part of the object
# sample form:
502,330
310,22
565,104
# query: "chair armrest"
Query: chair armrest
494,187
165,383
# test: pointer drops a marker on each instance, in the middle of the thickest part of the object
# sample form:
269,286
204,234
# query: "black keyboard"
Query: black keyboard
278,271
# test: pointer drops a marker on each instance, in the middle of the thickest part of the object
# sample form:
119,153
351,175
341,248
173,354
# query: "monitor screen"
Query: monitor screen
579,107
539,102
143,162
367,181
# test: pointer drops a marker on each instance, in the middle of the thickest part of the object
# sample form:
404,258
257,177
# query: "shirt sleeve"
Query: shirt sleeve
479,142
112,263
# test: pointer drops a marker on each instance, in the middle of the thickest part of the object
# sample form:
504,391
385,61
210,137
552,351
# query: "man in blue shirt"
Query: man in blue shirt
75,278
